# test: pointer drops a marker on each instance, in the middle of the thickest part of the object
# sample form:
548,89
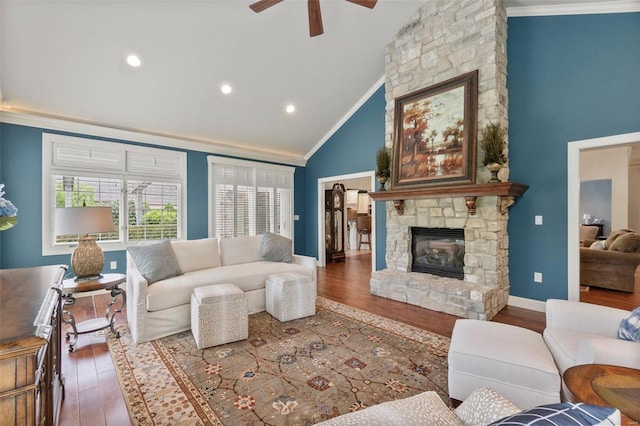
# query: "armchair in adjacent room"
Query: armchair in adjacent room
583,333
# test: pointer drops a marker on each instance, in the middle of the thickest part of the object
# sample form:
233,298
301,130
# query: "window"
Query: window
145,188
249,198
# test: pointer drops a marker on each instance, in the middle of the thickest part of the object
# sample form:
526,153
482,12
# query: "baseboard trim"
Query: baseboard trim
531,304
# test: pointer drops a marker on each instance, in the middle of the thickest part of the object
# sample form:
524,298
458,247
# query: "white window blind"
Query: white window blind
153,210
249,198
145,188
78,191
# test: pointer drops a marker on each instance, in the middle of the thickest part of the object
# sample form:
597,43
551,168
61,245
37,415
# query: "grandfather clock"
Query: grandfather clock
334,222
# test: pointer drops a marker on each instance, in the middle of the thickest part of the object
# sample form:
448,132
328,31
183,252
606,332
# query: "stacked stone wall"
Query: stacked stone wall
443,40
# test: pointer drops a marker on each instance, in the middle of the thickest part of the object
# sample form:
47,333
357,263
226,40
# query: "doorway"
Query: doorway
360,182
630,215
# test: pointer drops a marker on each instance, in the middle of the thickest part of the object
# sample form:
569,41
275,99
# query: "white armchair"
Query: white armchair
582,333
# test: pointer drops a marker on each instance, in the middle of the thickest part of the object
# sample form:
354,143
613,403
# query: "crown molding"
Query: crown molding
515,8
30,119
345,117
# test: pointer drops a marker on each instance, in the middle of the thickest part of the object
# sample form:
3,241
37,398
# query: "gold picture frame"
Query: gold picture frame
435,134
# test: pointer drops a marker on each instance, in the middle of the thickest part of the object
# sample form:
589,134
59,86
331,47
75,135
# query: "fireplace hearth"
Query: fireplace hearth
438,251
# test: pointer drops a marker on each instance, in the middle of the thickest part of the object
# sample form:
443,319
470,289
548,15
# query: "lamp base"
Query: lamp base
87,259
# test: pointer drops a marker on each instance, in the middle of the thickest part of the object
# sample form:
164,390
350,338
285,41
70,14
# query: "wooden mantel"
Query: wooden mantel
507,191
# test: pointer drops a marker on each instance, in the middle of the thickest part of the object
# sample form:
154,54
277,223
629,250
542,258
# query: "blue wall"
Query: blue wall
21,171
569,78
351,149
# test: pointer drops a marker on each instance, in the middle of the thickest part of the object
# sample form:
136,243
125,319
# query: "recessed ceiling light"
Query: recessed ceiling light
290,108
226,89
134,61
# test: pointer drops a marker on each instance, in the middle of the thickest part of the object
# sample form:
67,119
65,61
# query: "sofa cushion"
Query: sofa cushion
565,413
484,405
628,243
588,232
241,250
276,248
194,255
425,408
614,236
155,261
630,326
247,276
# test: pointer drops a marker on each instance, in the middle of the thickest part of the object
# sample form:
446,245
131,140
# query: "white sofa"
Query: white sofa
163,308
583,333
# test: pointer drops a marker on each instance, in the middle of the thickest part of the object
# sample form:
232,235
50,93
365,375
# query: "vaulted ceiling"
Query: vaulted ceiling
67,59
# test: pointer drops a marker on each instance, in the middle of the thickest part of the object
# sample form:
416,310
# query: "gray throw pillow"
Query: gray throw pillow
156,261
276,248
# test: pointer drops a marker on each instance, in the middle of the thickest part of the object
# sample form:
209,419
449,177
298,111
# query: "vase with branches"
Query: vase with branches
383,166
493,145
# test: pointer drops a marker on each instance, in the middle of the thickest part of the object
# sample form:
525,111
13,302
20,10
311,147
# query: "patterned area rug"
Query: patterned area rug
295,373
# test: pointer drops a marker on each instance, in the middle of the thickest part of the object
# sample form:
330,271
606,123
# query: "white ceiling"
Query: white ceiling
66,59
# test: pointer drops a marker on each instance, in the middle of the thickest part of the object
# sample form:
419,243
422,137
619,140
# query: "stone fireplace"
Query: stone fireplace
438,251
443,40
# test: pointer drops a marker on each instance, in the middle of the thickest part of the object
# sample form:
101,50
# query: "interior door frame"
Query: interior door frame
573,201
322,255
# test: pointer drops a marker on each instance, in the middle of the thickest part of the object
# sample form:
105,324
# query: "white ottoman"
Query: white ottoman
290,295
512,360
218,315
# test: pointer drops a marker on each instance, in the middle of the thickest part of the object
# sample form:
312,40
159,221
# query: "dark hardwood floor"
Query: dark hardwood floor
348,282
93,395
616,299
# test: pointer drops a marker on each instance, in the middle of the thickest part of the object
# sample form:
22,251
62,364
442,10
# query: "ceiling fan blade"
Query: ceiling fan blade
366,3
315,18
261,5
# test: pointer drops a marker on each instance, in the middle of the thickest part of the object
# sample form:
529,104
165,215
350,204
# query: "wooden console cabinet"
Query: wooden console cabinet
31,382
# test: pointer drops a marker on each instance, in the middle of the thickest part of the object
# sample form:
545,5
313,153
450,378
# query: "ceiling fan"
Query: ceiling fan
315,17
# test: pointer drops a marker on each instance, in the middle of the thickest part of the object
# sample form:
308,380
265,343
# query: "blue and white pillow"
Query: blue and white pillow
630,326
566,414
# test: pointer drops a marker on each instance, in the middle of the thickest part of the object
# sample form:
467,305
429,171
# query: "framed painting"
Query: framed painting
435,134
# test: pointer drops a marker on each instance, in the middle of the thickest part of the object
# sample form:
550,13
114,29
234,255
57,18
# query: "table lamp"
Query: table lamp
87,259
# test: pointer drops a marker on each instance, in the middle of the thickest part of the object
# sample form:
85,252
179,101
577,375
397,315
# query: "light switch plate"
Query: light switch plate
538,220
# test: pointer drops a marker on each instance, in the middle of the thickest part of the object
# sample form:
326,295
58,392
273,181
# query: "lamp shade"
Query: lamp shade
84,220
87,259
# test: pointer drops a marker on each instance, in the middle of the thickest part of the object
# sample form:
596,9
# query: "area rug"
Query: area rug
299,372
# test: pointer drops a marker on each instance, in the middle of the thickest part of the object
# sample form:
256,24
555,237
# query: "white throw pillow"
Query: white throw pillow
597,245
241,250
196,255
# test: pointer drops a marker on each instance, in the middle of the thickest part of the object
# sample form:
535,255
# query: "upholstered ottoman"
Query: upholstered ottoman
512,360
218,315
290,295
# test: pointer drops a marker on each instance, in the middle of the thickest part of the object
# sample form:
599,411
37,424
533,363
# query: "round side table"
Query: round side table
582,380
108,282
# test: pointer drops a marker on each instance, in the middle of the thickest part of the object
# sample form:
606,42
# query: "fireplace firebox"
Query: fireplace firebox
438,251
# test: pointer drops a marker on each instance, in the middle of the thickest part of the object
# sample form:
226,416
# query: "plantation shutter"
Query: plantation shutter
250,200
